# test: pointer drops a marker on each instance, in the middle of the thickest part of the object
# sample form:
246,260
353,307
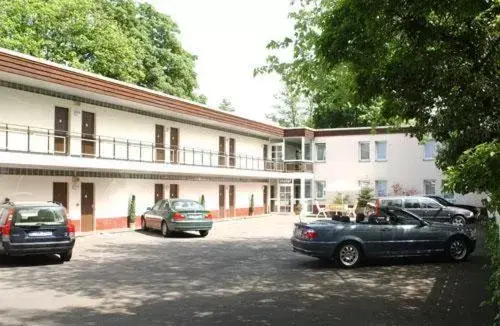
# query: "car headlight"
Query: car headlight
470,214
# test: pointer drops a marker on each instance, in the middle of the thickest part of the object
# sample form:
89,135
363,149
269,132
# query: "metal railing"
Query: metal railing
19,138
298,166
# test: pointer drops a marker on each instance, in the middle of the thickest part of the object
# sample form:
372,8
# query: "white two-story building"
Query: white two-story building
91,143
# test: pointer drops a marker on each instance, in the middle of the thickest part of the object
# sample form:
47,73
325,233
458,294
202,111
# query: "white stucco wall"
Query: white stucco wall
36,110
112,195
405,164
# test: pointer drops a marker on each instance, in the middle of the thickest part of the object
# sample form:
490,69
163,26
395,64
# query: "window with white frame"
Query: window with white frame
364,184
430,150
381,150
276,153
381,188
320,189
307,188
320,152
430,187
364,151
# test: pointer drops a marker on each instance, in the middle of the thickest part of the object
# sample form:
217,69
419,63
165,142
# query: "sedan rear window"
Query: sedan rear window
187,205
39,215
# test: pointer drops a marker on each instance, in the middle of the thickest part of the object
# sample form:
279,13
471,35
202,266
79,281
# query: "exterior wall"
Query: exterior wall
36,110
405,164
112,195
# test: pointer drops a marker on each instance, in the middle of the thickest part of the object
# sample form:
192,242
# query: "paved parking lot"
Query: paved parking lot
243,273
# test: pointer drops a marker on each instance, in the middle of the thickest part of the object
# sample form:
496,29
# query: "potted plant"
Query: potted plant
297,208
202,200
131,213
252,207
364,196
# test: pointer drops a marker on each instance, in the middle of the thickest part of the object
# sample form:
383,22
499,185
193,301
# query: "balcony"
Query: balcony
298,166
25,139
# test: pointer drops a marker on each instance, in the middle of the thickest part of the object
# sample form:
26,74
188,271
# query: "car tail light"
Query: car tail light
309,234
178,216
208,216
377,207
71,230
7,227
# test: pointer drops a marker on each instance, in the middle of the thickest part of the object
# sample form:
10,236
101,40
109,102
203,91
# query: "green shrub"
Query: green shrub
131,210
492,243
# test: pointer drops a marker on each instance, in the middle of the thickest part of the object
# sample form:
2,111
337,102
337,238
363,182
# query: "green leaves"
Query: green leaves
119,39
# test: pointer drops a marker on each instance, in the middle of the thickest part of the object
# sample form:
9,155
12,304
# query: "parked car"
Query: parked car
36,228
170,215
393,232
428,209
444,202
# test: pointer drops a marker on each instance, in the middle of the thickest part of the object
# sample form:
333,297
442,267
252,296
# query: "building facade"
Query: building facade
91,143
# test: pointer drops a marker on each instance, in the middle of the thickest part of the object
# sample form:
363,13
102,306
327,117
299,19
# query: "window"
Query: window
276,153
401,218
190,205
307,188
307,151
320,152
320,189
429,203
40,215
364,184
430,150
412,203
430,187
364,151
381,150
391,203
381,188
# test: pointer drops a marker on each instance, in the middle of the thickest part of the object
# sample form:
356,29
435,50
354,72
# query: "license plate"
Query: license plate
197,216
40,234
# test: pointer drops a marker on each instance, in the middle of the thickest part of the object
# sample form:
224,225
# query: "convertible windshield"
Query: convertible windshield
180,205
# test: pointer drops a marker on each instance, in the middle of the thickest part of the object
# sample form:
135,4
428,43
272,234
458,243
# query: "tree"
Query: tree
290,111
225,105
119,39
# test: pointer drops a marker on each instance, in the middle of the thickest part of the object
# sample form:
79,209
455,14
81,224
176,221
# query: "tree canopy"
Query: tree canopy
226,105
121,39
290,110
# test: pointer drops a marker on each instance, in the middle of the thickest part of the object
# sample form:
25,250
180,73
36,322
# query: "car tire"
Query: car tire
348,254
203,233
144,226
458,220
457,249
165,232
66,256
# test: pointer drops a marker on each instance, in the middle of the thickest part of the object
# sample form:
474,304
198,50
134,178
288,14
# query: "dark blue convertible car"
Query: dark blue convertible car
392,232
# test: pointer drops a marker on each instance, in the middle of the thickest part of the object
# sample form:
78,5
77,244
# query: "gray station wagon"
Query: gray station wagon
428,209
393,232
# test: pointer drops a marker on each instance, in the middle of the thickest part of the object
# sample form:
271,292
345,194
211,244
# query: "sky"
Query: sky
229,37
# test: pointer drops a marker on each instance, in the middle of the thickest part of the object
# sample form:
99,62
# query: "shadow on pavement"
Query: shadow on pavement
251,282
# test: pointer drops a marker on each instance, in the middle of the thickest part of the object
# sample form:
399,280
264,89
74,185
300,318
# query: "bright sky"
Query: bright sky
229,37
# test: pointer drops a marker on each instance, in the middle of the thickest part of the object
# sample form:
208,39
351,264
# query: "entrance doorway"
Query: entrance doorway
159,192
231,201
160,143
88,134
222,201
285,204
61,130
87,207
60,193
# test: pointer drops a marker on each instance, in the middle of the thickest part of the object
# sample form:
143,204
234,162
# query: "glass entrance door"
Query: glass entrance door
285,199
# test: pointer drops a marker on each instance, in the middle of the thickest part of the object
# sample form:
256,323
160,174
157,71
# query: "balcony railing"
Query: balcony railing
298,166
18,138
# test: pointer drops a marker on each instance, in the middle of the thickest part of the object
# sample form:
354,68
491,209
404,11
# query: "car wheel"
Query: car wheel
144,226
204,233
457,249
458,220
66,256
349,255
164,229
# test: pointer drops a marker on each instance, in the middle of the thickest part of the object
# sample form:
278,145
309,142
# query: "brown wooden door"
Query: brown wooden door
60,193
174,145
61,125
231,201
232,150
174,191
265,200
222,201
222,151
159,192
160,143
88,133
87,206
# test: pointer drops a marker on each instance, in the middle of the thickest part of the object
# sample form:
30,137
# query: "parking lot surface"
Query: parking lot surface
243,273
